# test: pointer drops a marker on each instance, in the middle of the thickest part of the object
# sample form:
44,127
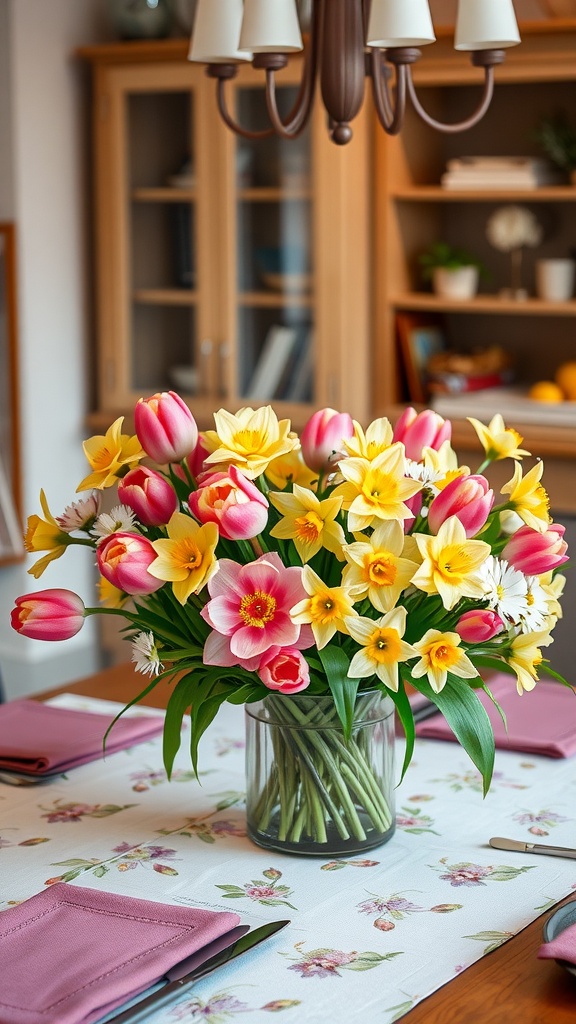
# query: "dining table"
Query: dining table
506,982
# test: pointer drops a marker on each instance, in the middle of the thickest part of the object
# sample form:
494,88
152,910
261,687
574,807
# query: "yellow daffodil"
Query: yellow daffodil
440,653
111,596
376,567
291,469
186,557
111,456
382,647
377,439
525,657
497,440
309,522
450,564
44,535
528,497
553,586
249,440
376,490
442,465
325,608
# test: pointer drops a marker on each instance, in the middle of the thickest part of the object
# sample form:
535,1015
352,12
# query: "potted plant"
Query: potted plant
558,140
454,272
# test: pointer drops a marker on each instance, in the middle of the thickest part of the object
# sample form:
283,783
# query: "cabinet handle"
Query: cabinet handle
223,356
205,354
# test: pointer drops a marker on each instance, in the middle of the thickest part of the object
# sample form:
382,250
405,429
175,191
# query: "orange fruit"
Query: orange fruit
565,378
547,391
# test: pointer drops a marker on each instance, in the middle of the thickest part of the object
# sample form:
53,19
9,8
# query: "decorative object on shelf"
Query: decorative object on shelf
420,336
512,229
140,19
454,272
555,279
227,32
489,173
460,372
420,576
557,138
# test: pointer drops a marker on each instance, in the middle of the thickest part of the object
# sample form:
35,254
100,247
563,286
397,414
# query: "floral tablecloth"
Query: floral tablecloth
370,936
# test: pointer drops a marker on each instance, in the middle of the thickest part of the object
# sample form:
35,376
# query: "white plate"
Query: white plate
557,923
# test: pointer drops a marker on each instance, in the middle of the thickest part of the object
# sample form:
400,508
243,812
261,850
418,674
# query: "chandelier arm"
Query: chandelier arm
458,126
300,112
390,114
245,133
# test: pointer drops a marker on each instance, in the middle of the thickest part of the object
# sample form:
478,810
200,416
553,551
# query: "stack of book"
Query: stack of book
499,172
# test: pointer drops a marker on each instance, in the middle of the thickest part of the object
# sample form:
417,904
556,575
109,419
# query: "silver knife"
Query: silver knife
140,1010
520,847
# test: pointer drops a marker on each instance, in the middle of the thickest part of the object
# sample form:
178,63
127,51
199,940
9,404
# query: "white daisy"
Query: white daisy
119,520
506,589
80,514
537,611
145,654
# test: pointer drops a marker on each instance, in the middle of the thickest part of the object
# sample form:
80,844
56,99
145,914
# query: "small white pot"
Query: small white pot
460,283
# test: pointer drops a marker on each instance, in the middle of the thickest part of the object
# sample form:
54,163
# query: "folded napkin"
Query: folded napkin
70,955
563,947
542,721
37,739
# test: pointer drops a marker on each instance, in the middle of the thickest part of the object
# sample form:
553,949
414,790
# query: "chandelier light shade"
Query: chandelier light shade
348,40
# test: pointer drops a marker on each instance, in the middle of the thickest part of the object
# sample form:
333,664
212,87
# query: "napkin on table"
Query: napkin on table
38,739
541,721
563,947
70,955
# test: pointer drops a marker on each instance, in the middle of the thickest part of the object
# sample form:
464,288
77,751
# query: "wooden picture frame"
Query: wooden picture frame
420,336
11,541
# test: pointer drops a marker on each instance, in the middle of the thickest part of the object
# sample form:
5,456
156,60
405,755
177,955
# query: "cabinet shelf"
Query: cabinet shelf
164,194
266,194
437,194
272,300
166,296
483,304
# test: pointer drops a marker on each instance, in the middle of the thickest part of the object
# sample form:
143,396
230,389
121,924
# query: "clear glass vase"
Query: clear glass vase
308,789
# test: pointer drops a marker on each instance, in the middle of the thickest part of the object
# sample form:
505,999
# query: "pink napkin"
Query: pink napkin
542,721
563,947
70,955
38,739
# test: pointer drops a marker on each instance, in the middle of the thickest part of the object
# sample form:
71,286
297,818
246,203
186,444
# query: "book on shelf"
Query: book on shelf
499,173
513,404
277,351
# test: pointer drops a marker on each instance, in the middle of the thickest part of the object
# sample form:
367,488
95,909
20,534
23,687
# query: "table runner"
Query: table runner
371,936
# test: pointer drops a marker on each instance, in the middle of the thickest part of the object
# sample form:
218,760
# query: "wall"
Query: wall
43,130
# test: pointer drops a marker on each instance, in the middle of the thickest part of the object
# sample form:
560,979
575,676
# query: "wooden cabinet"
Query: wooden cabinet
537,80
213,253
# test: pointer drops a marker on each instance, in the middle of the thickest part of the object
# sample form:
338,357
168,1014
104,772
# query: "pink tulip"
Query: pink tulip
123,559
165,427
149,494
469,498
322,438
284,669
231,501
48,615
421,430
534,553
478,625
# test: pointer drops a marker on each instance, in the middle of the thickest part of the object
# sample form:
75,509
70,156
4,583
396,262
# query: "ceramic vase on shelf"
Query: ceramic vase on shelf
309,790
460,283
140,19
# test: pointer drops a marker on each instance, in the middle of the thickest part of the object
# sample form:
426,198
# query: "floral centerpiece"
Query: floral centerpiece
320,580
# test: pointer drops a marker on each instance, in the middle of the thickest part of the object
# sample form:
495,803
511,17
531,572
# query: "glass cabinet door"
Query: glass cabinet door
274,257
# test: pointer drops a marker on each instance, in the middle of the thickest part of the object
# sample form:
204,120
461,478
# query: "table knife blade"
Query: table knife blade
517,846
140,1011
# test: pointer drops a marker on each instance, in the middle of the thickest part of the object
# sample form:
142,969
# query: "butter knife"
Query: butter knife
141,1010
517,846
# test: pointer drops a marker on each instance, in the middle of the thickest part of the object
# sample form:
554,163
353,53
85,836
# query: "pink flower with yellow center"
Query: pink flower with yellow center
326,608
440,654
249,611
110,455
186,557
376,490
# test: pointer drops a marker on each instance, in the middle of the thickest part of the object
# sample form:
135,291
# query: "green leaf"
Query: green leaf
203,711
407,719
343,689
469,722
180,699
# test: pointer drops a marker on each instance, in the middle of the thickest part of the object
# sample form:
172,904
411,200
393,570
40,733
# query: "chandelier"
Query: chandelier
348,40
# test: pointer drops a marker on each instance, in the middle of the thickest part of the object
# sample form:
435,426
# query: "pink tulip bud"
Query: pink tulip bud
48,615
421,430
534,553
123,559
149,494
231,501
322,438
478,625
469,498
165,427
284,669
